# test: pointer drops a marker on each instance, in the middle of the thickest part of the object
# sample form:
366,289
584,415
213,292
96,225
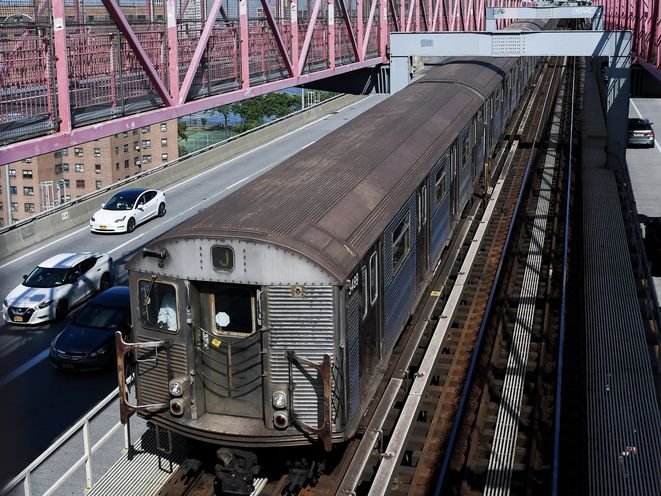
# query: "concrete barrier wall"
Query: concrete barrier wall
47,226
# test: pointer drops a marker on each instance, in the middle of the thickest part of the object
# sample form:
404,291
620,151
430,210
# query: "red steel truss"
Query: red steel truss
72,71
643,19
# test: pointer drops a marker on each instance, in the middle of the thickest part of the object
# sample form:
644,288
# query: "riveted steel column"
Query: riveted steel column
617,103
173,52
243,44
61,69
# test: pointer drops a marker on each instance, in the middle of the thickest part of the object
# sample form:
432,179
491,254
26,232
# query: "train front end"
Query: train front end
235,342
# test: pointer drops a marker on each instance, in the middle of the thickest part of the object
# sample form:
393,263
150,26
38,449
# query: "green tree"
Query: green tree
182,134
260,109
225,111
182,129
281,104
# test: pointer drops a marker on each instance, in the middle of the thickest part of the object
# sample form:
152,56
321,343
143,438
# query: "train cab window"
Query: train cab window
441,188
400,243
158,305
374,278
233,309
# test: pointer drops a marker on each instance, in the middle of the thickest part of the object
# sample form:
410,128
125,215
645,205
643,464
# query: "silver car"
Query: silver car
640,133
56,285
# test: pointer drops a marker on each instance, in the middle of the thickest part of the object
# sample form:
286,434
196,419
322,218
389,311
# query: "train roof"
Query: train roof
331,201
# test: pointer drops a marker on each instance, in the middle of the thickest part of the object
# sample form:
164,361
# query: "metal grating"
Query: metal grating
624,422
143,470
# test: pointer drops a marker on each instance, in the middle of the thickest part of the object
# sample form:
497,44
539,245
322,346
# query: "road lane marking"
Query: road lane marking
23,368
78,231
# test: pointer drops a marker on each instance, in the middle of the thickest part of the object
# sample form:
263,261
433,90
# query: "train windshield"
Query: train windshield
158,305
229,308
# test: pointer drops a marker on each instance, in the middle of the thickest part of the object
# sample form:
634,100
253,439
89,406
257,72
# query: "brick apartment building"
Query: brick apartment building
43,182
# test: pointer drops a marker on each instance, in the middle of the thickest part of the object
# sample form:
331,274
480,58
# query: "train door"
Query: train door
455,186
370,320
482,133
506,102
422,242
229,347
488,123
498,114
364,326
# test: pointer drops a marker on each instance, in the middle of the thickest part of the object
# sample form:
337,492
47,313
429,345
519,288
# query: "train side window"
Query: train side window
400,243
422,207
233,309
441,188
365,291
374,278
158,306
466,148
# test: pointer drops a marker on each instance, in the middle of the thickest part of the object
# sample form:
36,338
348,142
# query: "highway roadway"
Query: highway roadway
39,403
645,163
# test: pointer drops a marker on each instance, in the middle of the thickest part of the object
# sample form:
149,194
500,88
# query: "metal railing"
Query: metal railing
123,182
26,476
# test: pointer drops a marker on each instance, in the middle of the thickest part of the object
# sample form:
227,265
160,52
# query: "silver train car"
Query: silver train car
265,320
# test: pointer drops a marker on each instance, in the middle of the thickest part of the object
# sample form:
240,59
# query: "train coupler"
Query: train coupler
235,472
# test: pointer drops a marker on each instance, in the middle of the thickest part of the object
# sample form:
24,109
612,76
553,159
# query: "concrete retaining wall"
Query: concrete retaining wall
73,215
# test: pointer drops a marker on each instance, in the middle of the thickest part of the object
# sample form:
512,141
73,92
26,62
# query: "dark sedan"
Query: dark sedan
88,343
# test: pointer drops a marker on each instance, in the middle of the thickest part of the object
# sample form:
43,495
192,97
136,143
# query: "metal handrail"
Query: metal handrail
86,459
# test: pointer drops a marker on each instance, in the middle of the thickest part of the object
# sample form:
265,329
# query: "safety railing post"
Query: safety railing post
88,454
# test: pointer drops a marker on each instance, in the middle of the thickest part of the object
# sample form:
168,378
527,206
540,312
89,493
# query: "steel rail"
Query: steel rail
563,303
478,344
501,460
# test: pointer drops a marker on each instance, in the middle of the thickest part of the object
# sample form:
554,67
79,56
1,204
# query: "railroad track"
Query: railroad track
505,439
412,466
416,462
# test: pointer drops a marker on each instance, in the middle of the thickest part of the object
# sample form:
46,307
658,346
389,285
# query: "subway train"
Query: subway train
265,320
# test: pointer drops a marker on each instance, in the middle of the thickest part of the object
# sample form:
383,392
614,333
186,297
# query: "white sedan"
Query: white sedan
127,209
56,285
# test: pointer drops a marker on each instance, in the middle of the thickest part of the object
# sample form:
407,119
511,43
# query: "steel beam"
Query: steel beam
613,44
576,12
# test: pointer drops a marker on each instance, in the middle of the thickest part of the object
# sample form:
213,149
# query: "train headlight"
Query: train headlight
176,387
279,400
280,420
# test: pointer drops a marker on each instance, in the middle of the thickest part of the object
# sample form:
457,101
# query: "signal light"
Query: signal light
280,420
177,407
